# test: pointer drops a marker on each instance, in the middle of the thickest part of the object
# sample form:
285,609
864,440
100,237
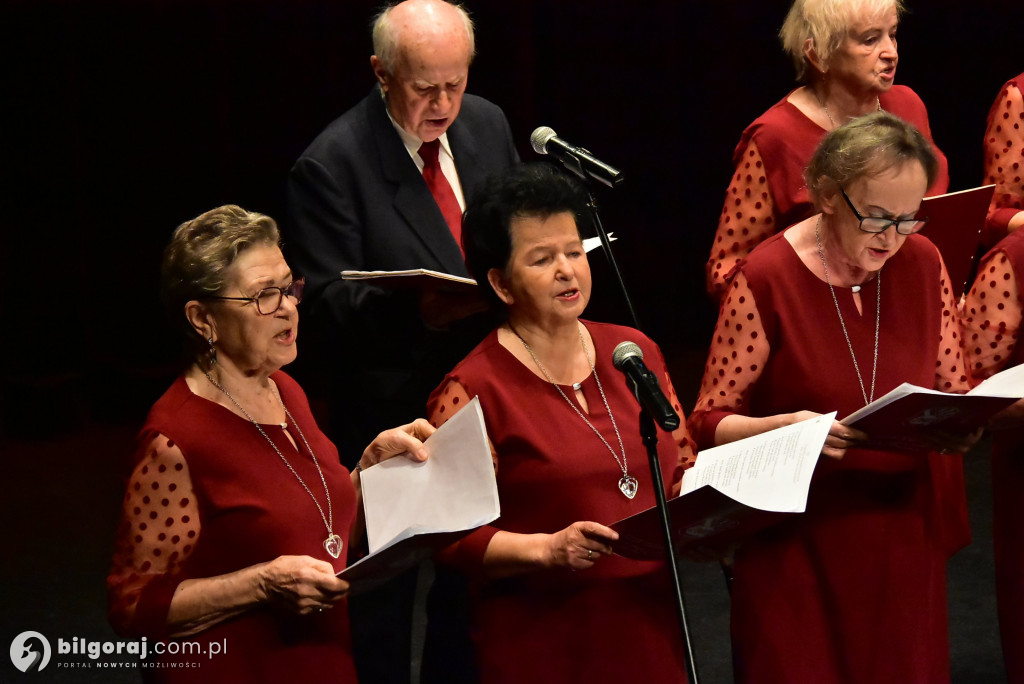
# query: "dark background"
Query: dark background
122,119
126,118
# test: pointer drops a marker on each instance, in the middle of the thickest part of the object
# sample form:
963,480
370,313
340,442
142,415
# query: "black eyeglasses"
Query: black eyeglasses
268,300
880,224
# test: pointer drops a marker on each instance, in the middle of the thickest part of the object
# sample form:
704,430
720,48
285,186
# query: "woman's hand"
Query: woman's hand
579,546
300,584
405,440
840,437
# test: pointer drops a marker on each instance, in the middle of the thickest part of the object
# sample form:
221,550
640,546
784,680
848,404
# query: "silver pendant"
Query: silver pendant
333,543
627,485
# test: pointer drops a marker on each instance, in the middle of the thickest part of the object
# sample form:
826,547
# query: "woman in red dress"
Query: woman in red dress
238,513
552,602
827,316
993,321
845,53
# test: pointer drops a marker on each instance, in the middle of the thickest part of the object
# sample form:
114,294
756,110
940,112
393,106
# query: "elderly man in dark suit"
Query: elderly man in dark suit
383,187
358,200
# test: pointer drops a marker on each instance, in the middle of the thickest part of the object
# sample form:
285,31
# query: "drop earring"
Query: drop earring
213,352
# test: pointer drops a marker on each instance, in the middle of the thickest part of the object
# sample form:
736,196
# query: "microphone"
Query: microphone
578,160
628,358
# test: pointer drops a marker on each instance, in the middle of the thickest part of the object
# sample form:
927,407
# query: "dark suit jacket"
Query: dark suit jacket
357,201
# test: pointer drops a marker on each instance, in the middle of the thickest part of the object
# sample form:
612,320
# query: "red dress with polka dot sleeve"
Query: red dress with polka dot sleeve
853,590
209,496
993,320
552,471
1004,159
768,193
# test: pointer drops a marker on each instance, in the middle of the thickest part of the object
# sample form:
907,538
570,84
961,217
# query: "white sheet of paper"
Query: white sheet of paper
371,275
771,471
454,489
590,244
1008,383
889,397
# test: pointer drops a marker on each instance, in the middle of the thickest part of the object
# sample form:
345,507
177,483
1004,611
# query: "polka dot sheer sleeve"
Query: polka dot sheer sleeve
447,403
738,353
991,315
158,531
1004,161
950,365
681,435
747,219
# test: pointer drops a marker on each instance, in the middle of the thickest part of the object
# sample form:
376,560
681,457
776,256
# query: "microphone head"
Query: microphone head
626,350
540,137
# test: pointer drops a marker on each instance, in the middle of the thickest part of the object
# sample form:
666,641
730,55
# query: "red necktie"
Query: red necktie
441,189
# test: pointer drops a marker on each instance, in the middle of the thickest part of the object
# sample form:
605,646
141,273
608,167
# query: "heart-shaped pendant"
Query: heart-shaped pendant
628,485
333,543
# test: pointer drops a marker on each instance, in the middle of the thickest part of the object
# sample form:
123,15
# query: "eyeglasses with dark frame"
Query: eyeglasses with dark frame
268,300
880,224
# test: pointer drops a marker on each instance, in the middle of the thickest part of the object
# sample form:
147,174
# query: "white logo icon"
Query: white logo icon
30,651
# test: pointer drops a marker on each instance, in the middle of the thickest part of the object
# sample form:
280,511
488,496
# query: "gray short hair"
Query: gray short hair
826,23
385,39
867,146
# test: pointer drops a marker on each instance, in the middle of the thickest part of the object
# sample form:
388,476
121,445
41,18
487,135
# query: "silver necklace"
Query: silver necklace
878,108
333,544
627,483
868,398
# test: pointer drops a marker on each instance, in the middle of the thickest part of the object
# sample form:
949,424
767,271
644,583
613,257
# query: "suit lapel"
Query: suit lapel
412,199
467,153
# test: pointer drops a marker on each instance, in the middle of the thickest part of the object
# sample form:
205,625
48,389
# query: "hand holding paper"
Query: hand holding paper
733,490
906,418
412,508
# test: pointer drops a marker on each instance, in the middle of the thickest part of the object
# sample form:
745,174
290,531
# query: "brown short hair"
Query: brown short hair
866,146
201,250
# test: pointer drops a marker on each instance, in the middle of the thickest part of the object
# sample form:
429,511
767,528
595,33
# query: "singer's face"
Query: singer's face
425,91
547,280
866,59
892,194
245,338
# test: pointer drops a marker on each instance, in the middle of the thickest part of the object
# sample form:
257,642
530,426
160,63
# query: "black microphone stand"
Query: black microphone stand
649,433
599,227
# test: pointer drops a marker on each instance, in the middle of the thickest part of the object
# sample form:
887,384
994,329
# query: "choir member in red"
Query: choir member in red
993,322
552,603
238,513
826,316
845,55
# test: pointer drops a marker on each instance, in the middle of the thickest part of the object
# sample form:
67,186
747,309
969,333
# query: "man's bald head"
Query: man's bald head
422,52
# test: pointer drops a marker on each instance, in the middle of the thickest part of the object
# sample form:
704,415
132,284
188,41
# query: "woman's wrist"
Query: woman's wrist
257,581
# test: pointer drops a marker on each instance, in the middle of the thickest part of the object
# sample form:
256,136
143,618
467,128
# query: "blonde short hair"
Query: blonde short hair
826,23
